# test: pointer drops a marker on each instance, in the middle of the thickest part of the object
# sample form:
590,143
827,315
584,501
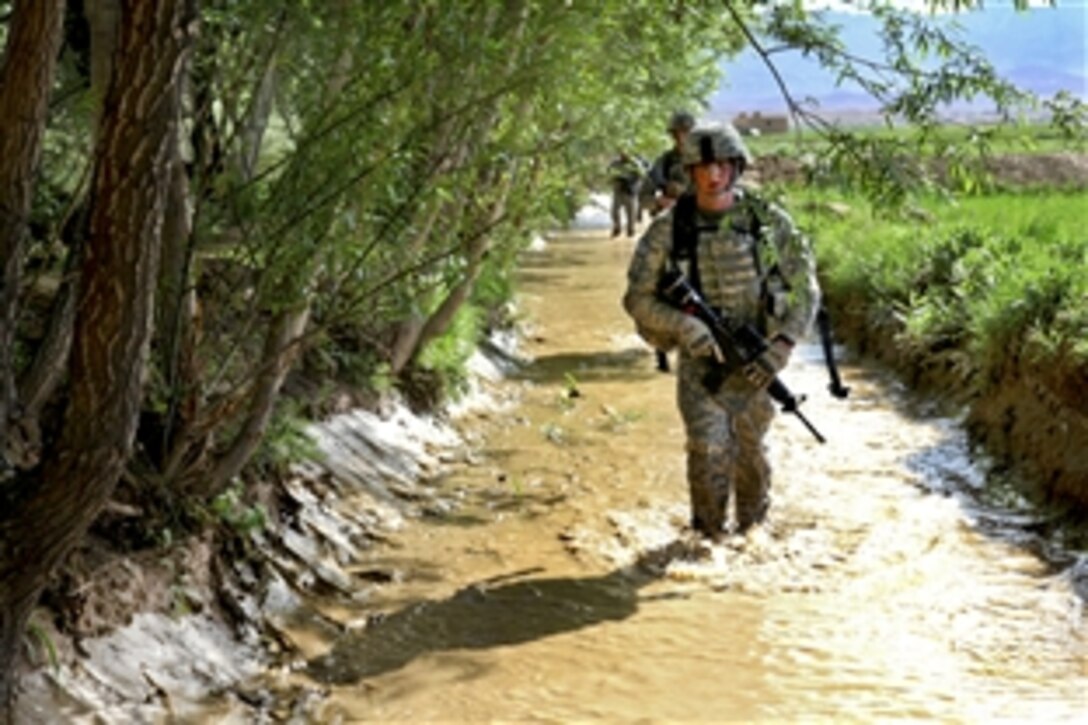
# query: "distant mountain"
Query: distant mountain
1041,50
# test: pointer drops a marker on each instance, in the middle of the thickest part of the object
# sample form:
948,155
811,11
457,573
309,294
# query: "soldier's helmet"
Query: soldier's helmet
720,142
681,121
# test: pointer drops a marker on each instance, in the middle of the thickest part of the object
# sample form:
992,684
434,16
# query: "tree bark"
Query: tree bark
29,64
176,309
40,523
104,18
43,376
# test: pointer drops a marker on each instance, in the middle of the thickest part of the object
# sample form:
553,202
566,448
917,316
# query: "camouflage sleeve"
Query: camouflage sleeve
797,263
657,322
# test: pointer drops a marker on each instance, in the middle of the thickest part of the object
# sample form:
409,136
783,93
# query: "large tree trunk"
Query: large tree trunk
42,522
104,18
26,78
40,380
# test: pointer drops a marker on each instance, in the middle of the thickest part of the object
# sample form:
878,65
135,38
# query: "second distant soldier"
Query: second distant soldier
625,174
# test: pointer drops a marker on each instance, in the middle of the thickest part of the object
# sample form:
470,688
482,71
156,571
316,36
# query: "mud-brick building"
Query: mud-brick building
746,123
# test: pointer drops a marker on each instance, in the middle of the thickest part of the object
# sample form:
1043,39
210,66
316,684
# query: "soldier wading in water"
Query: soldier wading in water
750,262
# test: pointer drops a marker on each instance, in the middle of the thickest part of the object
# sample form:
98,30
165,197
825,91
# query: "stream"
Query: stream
552,579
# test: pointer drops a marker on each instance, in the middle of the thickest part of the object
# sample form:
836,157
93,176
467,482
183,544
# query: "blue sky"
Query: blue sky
1042,50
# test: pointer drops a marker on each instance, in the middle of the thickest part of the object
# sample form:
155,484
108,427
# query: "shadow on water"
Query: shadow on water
562,262
496,612
612,366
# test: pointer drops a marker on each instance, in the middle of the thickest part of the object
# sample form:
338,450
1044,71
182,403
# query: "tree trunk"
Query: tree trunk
177,299
40,523
256,121
104,17
26,78
44,375
439,321
280,350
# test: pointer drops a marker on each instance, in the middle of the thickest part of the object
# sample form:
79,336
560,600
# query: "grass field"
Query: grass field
982,273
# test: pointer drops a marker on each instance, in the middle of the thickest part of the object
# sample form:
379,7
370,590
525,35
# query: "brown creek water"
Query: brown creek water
554,580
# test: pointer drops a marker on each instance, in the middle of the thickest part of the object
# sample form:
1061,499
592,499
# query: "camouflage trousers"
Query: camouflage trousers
624,212
726,453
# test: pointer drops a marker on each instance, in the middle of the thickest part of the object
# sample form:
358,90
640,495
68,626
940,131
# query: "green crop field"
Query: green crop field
982,276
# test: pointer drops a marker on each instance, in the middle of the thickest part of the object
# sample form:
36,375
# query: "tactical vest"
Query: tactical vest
685,240
684,256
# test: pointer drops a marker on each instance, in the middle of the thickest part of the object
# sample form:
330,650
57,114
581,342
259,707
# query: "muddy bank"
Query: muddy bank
1037,416
1032,419
172,632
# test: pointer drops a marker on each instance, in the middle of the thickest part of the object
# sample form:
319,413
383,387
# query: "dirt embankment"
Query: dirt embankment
1065,170
1033,418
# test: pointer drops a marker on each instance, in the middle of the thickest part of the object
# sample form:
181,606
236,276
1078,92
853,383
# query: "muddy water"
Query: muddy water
554,580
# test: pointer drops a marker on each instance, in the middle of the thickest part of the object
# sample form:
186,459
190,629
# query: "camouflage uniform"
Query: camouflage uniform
725,430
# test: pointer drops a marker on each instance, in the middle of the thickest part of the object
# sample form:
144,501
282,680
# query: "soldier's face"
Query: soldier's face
713,185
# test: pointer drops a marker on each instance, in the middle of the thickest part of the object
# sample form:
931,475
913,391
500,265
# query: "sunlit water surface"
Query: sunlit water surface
557,583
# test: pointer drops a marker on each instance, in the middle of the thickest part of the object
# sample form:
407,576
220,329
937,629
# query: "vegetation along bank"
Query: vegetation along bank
979,298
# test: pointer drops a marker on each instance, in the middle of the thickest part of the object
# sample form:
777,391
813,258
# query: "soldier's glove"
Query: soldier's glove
696,339
762,371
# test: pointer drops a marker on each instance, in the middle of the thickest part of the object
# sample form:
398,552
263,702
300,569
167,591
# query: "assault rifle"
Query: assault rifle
740,343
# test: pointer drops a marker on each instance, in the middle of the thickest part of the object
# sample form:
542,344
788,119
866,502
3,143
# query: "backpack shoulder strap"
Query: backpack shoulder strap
685,237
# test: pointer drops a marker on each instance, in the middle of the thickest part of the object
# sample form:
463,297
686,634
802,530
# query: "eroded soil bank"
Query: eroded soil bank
1032,419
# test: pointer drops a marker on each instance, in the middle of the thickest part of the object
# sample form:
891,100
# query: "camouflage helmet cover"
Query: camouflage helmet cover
715,143
681,121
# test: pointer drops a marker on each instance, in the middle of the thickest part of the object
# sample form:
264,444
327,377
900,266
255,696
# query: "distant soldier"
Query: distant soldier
748,260
667,175
667,181
625,173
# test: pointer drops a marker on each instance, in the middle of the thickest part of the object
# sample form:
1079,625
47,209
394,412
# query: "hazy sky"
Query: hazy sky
1042,50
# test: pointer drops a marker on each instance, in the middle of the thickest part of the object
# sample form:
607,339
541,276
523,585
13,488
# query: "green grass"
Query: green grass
982,277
